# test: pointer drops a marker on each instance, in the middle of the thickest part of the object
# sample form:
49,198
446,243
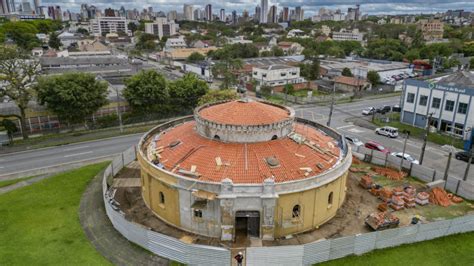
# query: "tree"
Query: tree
225,70
218,95
289,89
373,77
73,96
195,57
18,73
147,92
471,63
10,127
146,42
83,31
132,27
277,51
347,72
22,33
186,92
54,41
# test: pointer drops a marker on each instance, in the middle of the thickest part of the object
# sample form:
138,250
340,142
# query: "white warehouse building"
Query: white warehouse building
448,99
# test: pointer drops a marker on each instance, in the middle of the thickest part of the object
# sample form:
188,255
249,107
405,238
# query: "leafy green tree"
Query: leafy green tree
289,89
18,73
347,72
471,63
186,92
373,77
277,51
412,54
132,26
54,41
83,31
147,42
22,33
218,95
147,92
73,96
195,57
225,69
10,127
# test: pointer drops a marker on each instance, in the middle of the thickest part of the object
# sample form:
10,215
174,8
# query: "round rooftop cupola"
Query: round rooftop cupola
244,121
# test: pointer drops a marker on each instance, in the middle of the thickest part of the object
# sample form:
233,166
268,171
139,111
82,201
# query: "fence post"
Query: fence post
409,170
386,158
457,186
434,175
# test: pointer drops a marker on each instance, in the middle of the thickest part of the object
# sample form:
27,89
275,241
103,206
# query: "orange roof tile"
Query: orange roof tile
244,113
245,163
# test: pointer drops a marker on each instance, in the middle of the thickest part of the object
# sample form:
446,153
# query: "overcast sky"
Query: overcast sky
310,6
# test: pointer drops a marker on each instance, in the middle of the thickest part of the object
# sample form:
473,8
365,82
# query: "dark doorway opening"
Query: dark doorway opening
247,223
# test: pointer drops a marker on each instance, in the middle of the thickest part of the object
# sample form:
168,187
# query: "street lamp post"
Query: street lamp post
469,162
407,135
119,113
332,104
425,137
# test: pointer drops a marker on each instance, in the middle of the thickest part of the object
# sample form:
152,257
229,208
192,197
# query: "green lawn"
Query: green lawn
13,181
39,224
450,250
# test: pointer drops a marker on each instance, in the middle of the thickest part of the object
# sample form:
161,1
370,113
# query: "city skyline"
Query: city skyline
310,7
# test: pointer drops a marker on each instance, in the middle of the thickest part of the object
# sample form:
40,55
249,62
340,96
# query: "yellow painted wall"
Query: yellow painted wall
154,182
314,208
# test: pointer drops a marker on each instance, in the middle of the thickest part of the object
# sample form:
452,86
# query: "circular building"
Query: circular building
244,168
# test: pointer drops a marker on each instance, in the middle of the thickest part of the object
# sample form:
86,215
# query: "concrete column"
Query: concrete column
227,206
269,200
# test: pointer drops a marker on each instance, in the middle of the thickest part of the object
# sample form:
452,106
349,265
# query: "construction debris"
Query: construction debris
439,197
382,220
366,182
454,198
385,194
397,203
390,173
422,198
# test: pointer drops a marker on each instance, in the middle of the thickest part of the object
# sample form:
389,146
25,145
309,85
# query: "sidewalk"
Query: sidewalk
103,236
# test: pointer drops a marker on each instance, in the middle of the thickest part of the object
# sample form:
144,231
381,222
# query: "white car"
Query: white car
391,132
368,111
354,141
405,156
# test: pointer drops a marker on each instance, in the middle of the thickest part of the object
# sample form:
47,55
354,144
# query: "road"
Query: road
435,156
27,160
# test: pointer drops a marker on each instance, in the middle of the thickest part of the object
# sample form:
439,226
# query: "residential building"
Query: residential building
104,25
68,38
172,15
432,29
325,30
237,39
7,7
277,75
188,12
296,33
348,35
208,13
180,54
222,15
272,15
175,43
258,11
285,14
291,48
263,11
161,27
351,84
299,13
448,99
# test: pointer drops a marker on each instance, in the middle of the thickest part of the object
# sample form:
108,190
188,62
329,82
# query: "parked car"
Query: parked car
368,111
463,156
384,109
354,141
405,156
391,132
376,146
396,108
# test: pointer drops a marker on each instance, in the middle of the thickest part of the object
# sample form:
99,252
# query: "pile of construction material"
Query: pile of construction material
422,198
366,182
439,196
391,174
382,220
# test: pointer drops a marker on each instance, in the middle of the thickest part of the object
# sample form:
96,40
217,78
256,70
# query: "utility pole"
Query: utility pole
448,164
425,137
469,162
332,104
407,135
119,113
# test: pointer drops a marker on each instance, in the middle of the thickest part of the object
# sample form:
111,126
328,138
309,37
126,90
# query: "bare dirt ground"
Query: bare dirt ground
349,220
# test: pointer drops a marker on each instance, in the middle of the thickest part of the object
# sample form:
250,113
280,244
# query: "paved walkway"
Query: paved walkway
23,183
108,242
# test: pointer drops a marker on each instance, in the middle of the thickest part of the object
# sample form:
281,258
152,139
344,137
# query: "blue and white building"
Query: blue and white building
449,99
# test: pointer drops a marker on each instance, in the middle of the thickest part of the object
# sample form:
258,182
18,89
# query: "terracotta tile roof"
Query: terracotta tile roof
245,163
350,81
244,113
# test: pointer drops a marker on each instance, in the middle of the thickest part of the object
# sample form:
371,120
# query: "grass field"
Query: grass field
450,250
39,224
